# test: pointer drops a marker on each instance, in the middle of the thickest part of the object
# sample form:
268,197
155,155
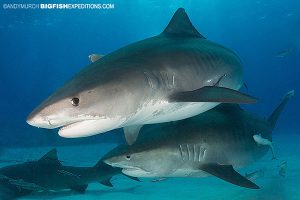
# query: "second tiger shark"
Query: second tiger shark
172,76
218,142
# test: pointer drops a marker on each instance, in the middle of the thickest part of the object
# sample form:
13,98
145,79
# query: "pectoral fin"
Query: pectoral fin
227,173
133,178
131,133
106,182
212,94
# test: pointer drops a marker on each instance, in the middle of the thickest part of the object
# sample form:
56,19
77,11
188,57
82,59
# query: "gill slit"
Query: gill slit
188,150
194,152
199,153
181,152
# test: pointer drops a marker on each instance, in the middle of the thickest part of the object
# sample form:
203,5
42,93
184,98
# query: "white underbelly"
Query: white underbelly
188,173
165,112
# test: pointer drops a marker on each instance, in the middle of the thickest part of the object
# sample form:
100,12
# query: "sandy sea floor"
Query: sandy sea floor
273,186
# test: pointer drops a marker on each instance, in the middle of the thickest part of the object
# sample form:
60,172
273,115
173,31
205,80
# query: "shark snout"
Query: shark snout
114,162
39,121
42,118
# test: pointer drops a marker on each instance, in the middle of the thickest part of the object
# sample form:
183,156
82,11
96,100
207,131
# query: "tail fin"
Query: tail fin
274,116
100,164
107,172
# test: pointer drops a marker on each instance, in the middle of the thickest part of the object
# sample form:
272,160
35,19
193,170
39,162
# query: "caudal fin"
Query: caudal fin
274,116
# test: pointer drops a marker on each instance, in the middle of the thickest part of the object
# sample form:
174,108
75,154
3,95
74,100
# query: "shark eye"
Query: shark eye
128,157
75,101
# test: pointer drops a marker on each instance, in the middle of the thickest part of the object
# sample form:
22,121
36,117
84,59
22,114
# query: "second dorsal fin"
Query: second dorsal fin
181,26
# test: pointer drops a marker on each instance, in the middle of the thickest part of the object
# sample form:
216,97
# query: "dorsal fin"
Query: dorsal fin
50,158
181,26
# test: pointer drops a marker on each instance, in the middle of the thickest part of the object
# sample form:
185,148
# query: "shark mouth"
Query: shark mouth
62,128
82,128
136,172
133,171
124,167
89,127
128,169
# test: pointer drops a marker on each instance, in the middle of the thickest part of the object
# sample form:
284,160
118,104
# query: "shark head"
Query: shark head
141,161
81,107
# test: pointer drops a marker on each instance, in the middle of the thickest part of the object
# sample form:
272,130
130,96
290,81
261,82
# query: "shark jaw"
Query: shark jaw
89,127
136,172
77,126
130,170
78,129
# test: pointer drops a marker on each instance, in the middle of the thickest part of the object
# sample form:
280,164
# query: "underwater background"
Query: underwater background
42,49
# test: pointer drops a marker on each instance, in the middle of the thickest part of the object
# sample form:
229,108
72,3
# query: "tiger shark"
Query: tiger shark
48,174
172,76
217,142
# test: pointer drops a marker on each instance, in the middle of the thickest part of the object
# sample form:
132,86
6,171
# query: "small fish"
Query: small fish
284,53
262,17
282,168
263,141
255,175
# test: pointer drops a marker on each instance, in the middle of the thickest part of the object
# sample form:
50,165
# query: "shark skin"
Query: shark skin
172,76
217,142
48,174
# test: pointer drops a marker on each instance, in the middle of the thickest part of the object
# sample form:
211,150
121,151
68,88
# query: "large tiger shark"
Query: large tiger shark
217,142
172,76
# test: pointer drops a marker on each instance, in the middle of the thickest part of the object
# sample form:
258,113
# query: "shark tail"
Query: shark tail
107,171
99,164
275,115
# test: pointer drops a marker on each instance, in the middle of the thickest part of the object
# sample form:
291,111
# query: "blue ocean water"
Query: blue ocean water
41,49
